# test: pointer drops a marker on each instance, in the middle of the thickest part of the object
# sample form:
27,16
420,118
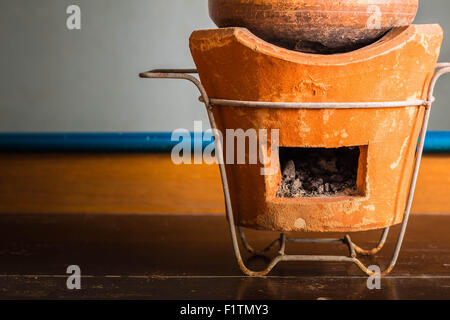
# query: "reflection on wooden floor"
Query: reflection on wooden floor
190,257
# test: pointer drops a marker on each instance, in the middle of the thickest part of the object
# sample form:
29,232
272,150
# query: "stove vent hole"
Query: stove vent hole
318,172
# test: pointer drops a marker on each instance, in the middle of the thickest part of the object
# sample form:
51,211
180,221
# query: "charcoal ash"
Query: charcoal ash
318,172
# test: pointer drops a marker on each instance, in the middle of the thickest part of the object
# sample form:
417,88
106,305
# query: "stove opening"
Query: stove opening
319,172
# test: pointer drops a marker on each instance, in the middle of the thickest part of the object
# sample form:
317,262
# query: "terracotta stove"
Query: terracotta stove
349,114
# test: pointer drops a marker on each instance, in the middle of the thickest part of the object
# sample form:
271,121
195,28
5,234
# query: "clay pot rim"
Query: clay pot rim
401,7
392,38
409,8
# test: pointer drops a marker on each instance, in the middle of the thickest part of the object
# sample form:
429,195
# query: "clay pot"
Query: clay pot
233,64
315,26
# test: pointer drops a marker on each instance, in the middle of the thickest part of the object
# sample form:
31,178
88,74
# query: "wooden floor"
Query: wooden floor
190,257
143,183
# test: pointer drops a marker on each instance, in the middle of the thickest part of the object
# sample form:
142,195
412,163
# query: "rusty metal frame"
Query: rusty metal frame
354,250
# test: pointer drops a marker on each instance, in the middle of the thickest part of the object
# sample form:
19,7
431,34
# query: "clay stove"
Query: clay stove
348,123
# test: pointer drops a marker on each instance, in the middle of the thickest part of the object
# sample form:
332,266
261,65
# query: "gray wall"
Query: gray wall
53,79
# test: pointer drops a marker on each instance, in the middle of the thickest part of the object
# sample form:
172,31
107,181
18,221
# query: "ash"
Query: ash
318,172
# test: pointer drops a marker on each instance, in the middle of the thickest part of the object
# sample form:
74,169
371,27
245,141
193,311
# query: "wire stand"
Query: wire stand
354,250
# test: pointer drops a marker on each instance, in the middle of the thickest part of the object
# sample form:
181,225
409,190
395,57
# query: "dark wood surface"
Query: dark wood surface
190,257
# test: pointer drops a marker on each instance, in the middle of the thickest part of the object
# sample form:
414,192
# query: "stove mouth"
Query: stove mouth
321,172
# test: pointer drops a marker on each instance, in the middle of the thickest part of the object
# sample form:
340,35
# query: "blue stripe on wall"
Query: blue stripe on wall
436,142
122,142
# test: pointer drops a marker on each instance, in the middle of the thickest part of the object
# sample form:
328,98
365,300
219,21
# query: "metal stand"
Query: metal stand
354,250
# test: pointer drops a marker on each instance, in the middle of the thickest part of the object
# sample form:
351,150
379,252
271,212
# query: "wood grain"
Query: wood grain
118,183
433,187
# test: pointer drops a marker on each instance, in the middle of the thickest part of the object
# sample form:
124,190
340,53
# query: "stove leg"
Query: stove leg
249,248
375,250
238,255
